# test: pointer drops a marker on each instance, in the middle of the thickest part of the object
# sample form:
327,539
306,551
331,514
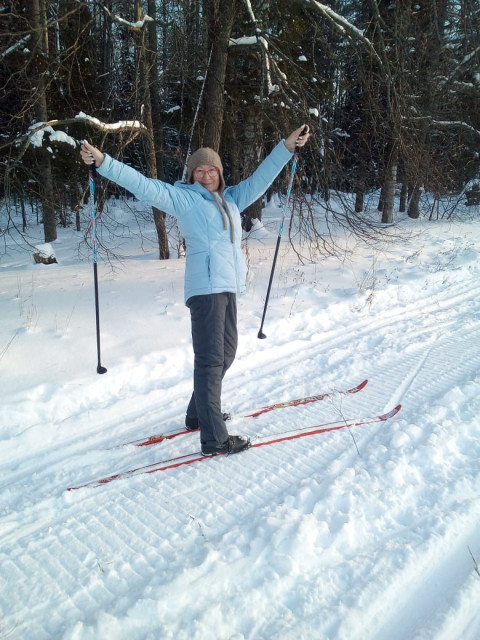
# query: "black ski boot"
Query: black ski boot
233,444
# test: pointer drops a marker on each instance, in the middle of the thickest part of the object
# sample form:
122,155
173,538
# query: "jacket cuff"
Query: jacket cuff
106,165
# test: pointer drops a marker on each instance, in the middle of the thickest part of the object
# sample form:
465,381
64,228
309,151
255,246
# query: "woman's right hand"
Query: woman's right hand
90,154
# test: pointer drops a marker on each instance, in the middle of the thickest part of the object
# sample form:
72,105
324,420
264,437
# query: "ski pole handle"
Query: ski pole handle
303,132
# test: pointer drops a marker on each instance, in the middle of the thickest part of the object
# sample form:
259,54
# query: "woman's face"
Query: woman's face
208,176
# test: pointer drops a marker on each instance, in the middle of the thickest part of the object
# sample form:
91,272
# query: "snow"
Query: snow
136,26
45,249
366,533
36,139
243,41
122,124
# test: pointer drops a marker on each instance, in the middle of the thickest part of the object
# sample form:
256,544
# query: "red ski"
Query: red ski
294,434
145,442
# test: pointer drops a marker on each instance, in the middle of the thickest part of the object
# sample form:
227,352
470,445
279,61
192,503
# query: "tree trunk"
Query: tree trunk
24,214
221,18
403,197
251,159
381,199
389,189
413,205
147,66
153,85
38,23
359,196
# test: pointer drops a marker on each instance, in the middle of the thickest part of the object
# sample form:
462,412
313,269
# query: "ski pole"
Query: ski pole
92,172
261,335
195,117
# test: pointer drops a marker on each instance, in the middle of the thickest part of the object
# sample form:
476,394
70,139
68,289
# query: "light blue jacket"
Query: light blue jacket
215,263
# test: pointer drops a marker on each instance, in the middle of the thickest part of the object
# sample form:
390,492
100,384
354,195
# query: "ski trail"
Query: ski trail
398,396
410,606
401,375
310,538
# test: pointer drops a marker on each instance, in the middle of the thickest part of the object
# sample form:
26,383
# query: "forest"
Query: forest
389,88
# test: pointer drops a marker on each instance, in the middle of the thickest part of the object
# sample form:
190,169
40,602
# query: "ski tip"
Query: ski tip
391,413
359,387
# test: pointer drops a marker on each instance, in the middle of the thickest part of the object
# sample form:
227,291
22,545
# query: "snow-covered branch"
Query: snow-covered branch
37,130
344,26
260,40
121,125
21,43
245,41
257,40
35,134
250,11
443,124
468,58
457,124
135,26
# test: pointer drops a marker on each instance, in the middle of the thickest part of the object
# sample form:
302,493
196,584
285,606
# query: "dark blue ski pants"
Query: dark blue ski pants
214,336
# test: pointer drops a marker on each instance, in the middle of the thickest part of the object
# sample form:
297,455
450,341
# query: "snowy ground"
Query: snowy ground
364,534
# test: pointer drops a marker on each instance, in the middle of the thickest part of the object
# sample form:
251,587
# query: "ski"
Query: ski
293,434
306,400
145,442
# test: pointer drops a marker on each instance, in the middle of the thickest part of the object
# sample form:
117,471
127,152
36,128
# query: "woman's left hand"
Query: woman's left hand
298,138
91,154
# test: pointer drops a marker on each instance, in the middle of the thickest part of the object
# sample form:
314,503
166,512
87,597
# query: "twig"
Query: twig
475,565
5,349
340,410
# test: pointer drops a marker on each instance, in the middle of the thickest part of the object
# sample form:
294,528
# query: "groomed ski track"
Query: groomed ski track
368,534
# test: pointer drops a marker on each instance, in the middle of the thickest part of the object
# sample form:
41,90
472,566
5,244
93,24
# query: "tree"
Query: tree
38,64
220,17
390,89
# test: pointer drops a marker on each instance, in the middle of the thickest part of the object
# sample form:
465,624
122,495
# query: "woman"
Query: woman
208,216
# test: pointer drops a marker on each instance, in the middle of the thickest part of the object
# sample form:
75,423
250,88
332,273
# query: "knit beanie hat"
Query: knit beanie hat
205,155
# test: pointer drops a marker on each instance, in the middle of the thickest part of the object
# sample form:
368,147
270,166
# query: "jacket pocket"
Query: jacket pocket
197,270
